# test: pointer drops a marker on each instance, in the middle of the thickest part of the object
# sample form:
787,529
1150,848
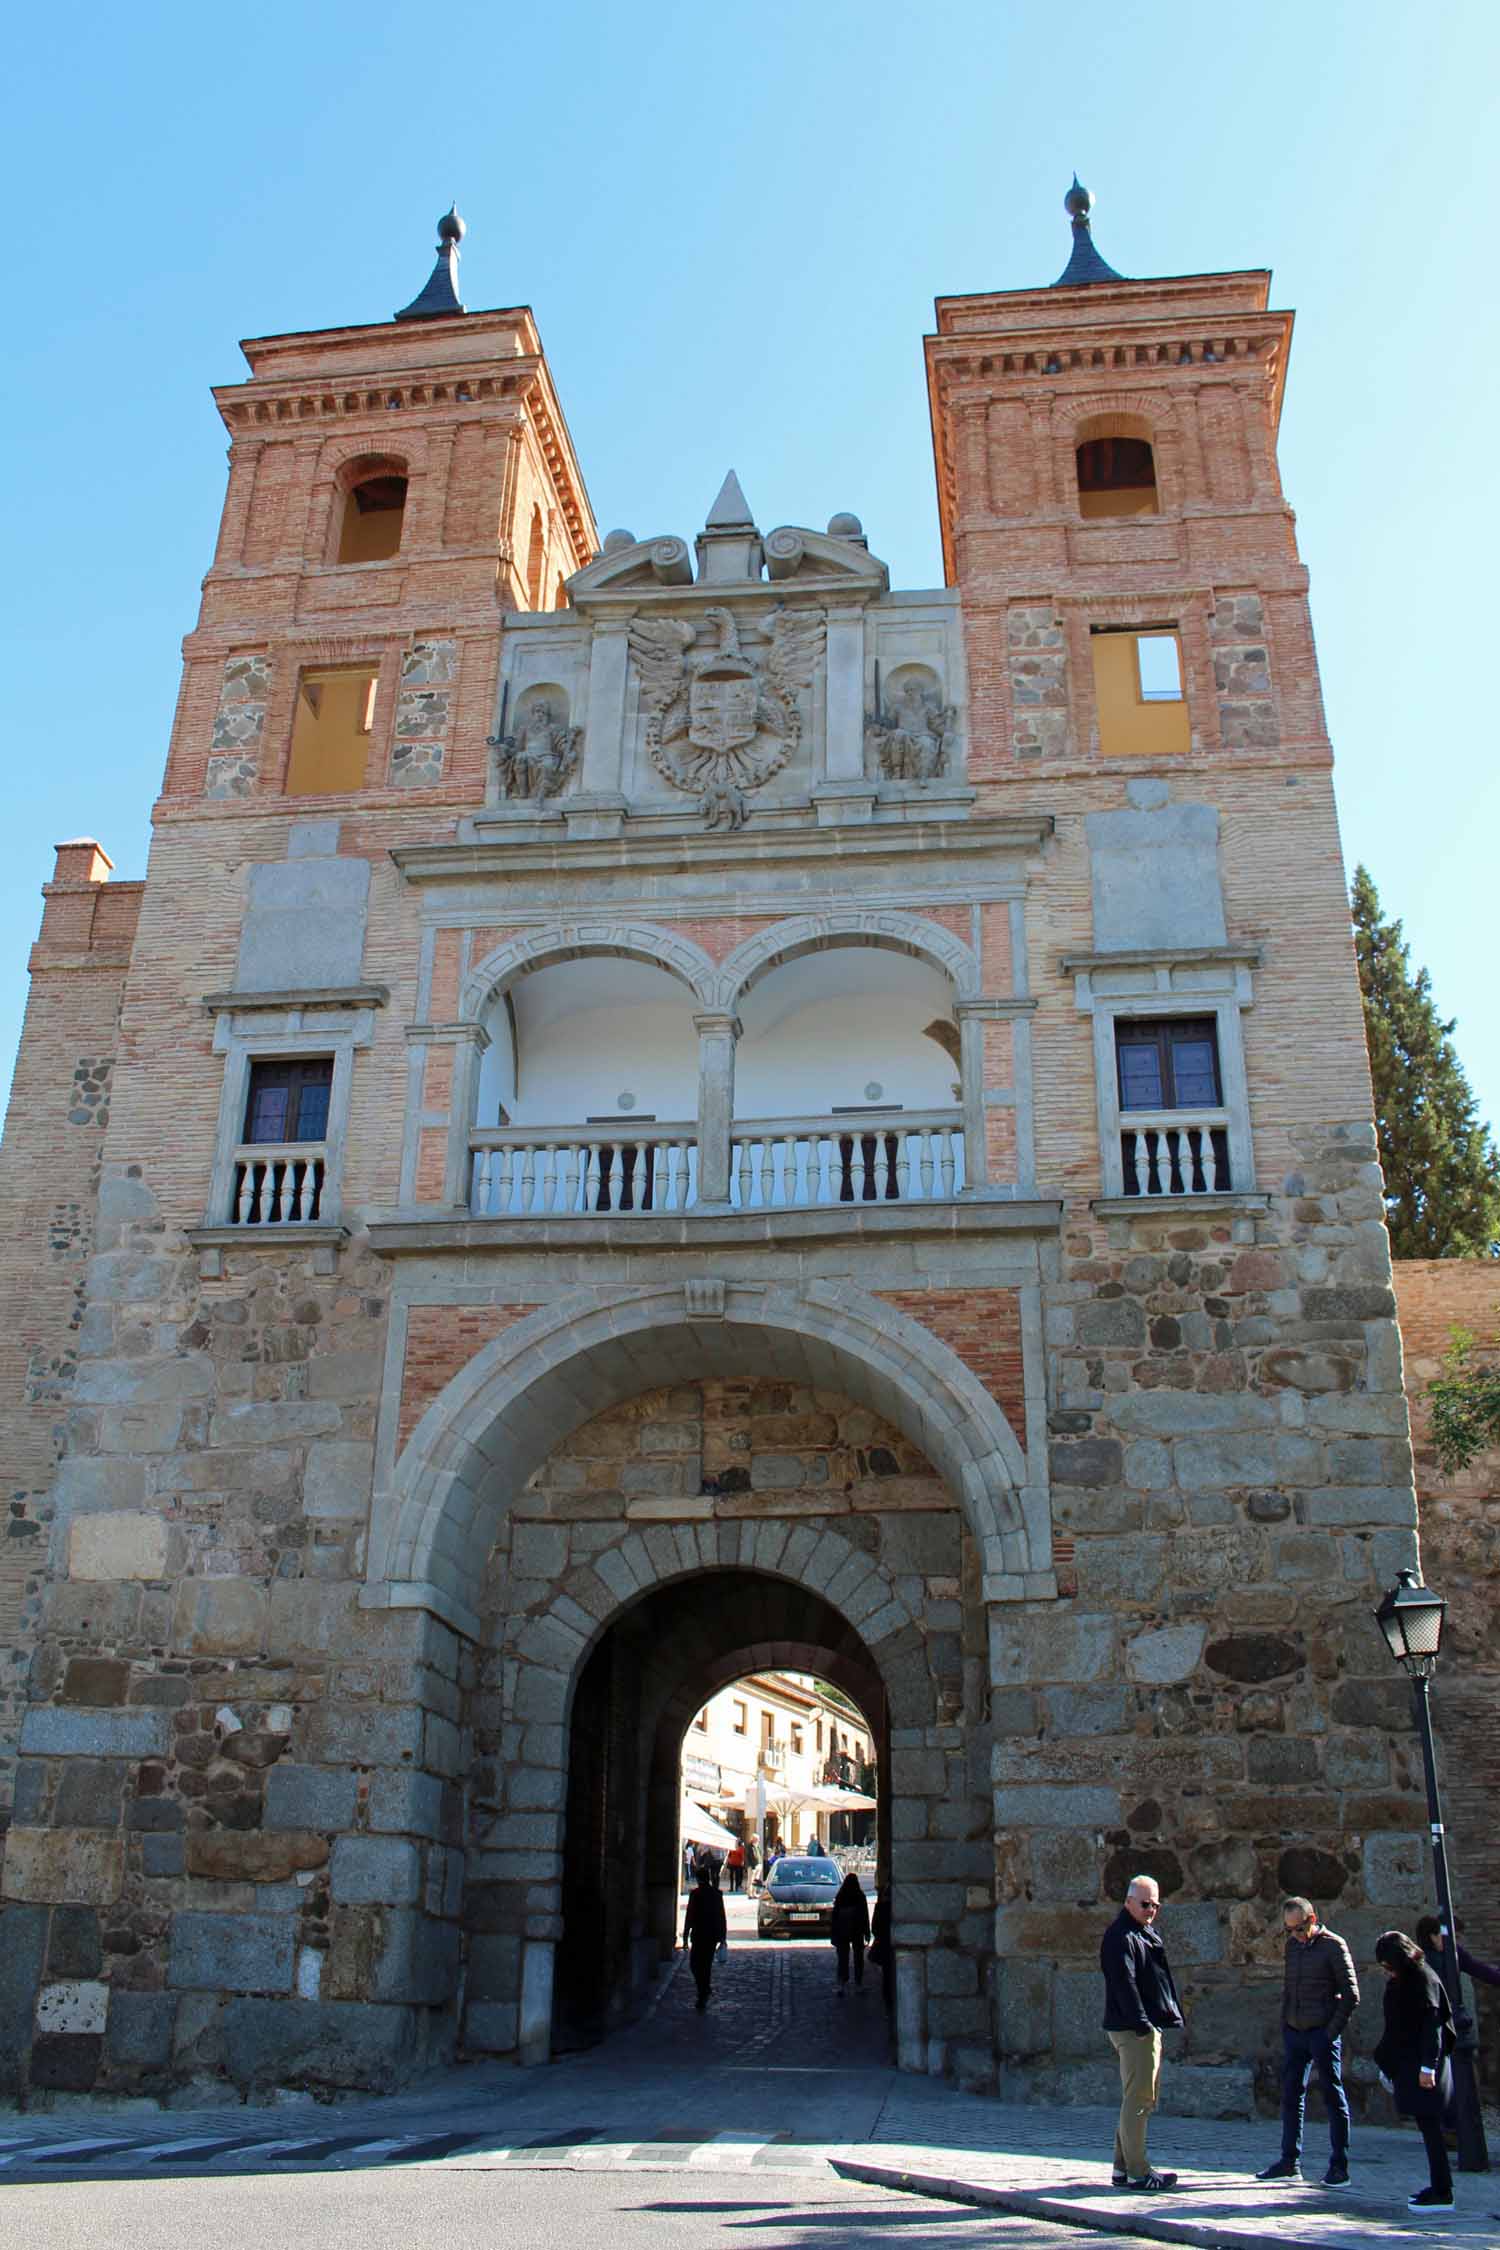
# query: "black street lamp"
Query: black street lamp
1411,1618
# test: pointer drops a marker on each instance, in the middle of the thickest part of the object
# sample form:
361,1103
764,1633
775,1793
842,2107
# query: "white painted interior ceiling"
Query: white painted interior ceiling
608,1038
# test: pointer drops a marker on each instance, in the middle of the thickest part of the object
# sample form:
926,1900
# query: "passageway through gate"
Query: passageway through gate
637,1693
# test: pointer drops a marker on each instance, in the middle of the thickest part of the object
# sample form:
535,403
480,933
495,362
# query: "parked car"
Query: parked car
797,1898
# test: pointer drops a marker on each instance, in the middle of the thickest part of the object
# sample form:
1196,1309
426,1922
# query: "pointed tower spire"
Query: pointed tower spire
731,511
441,293
1085,264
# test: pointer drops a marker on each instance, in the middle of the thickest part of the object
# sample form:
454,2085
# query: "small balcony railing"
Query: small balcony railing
560,1171
278,1184
793,1163
1175,1152
775,1163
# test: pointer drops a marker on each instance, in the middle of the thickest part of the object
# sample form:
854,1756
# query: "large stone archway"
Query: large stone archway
437,1507
634,1697
595,1680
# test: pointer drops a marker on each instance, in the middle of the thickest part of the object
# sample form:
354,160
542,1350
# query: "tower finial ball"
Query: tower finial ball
1078,202
450,226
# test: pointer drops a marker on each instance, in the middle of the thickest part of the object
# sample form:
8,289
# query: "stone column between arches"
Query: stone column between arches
767,1503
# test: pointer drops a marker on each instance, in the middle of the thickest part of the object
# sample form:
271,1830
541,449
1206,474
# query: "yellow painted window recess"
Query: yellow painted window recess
1138,690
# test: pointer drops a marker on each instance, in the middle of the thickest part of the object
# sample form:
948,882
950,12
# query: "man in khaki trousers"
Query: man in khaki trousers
1140,2003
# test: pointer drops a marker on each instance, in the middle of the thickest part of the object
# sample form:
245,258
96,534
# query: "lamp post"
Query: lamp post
1411,1618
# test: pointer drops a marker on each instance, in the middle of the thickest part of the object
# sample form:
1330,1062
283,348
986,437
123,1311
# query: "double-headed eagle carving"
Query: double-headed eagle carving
720,722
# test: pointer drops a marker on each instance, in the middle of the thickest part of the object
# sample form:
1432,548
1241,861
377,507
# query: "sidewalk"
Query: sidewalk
1054,2164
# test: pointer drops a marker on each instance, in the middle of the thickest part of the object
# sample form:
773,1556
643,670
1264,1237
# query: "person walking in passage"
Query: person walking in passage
752,1859
1412,2057
1319,1994
1140,2003
705,1931
882,1952
849,1928
734,1860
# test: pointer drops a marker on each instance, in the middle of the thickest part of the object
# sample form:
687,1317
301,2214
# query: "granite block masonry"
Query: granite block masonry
754,1137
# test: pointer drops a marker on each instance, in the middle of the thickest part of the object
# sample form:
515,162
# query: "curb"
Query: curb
1037,2204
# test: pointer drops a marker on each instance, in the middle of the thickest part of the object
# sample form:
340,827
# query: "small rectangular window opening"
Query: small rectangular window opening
331,730
1158,667
1169,1063
741,1718
288,1101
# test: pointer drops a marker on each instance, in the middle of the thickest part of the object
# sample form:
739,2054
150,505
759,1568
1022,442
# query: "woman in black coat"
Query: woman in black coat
849,1928
1412,2056
705,1929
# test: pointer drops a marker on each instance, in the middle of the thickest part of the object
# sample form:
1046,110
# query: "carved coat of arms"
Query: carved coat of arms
720,722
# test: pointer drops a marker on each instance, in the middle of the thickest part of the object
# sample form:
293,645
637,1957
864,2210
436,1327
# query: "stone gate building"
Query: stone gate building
666,1109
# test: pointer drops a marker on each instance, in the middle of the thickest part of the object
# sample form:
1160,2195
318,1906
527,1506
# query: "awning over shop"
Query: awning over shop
819,1796
697,1828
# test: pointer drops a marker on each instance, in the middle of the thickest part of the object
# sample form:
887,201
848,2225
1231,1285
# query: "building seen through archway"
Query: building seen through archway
781,1759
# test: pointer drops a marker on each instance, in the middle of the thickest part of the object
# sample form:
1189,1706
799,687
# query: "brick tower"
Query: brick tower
677,1111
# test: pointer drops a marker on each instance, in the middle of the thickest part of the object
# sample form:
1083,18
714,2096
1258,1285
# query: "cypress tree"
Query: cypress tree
1442,1173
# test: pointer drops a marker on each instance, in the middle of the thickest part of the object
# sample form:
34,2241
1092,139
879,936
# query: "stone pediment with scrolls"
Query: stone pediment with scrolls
730,551
792,555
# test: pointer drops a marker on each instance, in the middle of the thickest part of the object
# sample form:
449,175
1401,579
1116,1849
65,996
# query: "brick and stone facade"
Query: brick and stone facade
389,1498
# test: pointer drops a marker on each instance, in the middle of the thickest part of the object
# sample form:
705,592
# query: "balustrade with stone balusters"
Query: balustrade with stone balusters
559,1172
1174,1154
278,1184
778,1163
790,1163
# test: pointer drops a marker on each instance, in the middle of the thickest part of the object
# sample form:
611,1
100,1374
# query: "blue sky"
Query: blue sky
731,224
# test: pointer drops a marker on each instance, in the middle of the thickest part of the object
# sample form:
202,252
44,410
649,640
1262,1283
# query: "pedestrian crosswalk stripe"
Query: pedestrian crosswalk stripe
722,2147
671,2147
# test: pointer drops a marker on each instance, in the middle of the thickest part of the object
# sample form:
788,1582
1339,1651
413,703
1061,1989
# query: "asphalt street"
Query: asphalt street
472,2206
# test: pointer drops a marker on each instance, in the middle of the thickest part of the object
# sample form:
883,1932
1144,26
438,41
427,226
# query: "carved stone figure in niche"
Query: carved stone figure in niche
910,736
538,759
720,721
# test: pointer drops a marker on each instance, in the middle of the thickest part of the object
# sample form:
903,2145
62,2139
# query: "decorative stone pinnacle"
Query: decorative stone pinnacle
441,293
1085,265
731,511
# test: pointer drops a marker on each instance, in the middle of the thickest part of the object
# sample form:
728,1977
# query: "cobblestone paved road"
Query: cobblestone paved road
773,2001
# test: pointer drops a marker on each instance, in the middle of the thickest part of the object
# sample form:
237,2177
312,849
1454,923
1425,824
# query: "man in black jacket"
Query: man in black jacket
1140,2003
1320,1992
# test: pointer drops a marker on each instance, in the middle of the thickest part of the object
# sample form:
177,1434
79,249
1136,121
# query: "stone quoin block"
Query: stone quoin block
57,1733
231,1953
115,1545
376,1870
